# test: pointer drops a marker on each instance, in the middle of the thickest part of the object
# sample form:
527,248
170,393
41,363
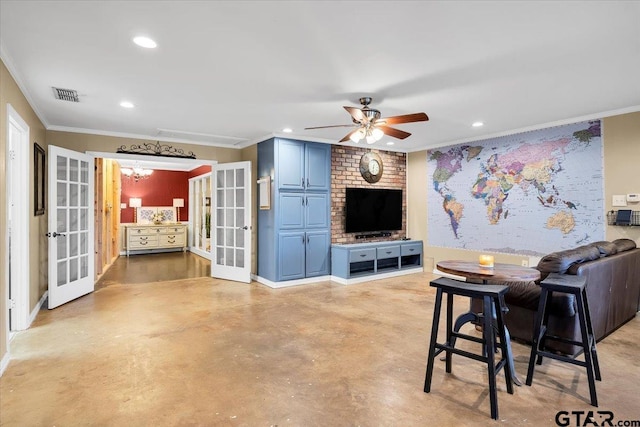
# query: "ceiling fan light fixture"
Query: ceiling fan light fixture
357,135
377,134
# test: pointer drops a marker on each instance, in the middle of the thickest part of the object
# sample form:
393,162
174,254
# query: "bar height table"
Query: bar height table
474,273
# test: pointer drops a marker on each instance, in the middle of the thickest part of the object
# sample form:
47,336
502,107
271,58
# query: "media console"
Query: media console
359,262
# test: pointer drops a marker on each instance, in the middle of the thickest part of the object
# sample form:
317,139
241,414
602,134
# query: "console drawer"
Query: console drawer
362,255
411,249
388,252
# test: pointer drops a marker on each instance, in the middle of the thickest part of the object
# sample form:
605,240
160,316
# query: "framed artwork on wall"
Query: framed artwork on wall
39,175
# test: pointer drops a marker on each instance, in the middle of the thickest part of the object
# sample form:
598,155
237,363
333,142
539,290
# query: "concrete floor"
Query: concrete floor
149,348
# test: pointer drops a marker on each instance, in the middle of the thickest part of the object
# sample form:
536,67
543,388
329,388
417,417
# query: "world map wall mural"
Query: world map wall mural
531,193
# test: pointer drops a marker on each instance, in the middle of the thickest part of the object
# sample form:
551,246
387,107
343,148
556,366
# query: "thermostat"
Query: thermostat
633,198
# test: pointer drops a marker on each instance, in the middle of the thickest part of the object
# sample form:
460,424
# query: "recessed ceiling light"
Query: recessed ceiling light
287,130
477,124
144,42
390,143
126,104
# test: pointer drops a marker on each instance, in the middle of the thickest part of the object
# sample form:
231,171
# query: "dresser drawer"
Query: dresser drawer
388,252
142,242
362,255
142,231
173,230
172,240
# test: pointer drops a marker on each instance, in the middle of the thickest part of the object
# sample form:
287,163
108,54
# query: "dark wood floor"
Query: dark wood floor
155,268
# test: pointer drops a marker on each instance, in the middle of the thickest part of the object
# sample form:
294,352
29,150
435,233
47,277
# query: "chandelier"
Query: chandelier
136,172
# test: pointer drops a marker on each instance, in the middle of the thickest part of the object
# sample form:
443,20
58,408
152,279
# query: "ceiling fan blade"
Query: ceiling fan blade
393,132
407,118
357,114
348,136
330,126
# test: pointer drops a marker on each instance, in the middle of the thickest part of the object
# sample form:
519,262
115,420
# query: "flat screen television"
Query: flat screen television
373,209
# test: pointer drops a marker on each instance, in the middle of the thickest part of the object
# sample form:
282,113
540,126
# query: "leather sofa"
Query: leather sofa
612,271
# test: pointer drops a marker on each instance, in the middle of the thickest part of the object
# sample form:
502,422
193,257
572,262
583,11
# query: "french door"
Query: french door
71,195
231,222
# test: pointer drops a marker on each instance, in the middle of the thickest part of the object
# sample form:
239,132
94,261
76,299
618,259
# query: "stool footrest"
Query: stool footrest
562,358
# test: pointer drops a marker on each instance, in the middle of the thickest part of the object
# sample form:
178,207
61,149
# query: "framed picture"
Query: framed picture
207,201
39,175
264,184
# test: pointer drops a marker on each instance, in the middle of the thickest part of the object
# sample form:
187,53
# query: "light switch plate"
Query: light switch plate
619,200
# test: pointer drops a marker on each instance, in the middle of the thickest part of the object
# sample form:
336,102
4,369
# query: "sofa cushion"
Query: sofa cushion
605,248
624,244
527,295
559,262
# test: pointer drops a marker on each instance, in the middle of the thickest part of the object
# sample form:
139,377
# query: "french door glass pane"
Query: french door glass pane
73,269
84,266
61,242
62,193
62,273
84,172
62,221
73,170
61,168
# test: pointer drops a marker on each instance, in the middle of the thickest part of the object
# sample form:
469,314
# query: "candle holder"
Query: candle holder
485,261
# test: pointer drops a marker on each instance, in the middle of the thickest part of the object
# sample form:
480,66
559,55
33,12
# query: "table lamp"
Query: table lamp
135,203
178,203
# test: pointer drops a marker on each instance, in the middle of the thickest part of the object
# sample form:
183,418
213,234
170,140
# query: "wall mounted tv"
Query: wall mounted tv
373,209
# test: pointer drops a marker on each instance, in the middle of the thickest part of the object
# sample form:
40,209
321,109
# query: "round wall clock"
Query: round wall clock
371,167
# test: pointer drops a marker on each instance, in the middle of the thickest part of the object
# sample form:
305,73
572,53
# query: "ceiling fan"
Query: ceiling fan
371,127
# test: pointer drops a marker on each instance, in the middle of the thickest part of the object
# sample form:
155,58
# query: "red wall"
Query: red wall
158,190
200,170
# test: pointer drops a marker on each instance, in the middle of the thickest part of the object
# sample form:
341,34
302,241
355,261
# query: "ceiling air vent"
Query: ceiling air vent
66,94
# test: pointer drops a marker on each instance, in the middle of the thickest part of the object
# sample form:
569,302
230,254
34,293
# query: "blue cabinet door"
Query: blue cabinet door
290,167
291,255
291,208
316,210
318,248
317,159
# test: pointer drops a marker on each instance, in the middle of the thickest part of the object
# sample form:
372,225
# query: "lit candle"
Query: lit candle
486,261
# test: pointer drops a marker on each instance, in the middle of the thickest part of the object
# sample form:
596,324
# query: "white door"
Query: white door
71,193
231,222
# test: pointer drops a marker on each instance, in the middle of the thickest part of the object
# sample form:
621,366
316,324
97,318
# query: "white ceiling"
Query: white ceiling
232,73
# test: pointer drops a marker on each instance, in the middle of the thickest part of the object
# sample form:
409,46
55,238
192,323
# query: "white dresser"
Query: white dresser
151,237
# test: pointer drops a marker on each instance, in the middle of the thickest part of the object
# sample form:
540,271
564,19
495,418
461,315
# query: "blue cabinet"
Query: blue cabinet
317,253
294,236
291,255
303,165
303,254
303,210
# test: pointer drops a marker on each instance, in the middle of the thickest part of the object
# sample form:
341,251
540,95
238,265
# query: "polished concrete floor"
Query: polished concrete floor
149,348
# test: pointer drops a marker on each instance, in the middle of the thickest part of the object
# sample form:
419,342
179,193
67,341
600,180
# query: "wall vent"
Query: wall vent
66,94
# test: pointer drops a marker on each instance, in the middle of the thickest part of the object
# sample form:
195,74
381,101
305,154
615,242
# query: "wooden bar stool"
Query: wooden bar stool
575,285
493,324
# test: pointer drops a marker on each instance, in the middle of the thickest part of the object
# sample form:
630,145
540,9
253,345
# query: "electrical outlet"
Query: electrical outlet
525,263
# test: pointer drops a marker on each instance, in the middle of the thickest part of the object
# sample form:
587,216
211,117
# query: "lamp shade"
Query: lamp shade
178,203
135,202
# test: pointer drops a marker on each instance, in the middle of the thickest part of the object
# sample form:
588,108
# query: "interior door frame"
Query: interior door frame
20,169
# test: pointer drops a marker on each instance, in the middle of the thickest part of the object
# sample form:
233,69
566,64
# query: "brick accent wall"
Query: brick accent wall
345,172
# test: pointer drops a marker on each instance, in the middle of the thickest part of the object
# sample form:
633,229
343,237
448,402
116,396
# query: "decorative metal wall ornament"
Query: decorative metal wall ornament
156,149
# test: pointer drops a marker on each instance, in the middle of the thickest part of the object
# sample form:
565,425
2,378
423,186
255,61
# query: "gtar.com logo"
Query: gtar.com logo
591,418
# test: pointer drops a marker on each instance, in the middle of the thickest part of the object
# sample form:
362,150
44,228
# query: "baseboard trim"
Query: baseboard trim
373,277
37,308
289,283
